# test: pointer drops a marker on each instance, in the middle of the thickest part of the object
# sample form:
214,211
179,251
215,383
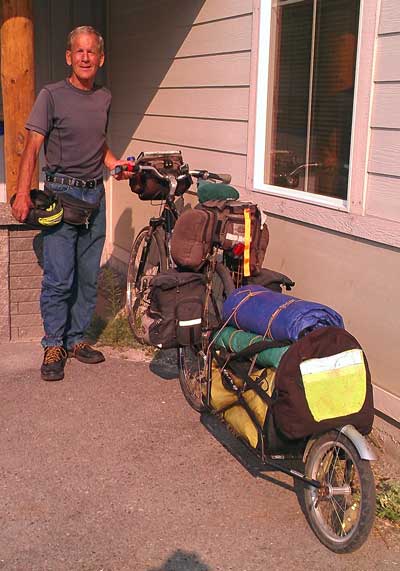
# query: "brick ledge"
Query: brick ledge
6,218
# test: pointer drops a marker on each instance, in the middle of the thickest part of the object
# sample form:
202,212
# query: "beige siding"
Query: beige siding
181,82
383,198
389,21
357,278
204,103
217,70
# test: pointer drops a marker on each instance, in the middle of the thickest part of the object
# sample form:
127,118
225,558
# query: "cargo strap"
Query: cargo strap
275,315
226,360
247,238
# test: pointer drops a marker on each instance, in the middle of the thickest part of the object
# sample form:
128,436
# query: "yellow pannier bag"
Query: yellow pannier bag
236,415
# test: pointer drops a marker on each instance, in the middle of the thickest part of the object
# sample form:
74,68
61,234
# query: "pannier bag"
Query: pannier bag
176,309
240,227
323,382
248,411
275,315
192,238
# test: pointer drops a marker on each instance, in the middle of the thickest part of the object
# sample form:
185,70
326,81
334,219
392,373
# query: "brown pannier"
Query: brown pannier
192,238
231,229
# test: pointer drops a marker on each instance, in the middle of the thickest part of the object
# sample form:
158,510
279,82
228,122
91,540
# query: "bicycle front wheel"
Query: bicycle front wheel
194,368
341,513
147,258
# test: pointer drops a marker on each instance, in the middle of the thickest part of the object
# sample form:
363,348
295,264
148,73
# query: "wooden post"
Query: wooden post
17,82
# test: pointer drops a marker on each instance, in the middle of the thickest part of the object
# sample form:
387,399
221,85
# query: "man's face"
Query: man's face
85,59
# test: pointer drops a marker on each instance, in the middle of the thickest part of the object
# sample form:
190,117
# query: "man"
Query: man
70,117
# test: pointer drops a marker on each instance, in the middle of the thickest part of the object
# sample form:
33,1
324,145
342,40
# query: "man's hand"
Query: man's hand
122,170
21,206
22,203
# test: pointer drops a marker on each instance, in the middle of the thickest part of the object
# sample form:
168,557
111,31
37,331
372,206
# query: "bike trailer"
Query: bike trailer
321,382
176,309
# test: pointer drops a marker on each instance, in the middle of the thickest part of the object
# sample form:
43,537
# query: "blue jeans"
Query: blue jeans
71,263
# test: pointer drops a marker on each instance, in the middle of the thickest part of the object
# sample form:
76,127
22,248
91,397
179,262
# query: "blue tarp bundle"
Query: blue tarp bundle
275,315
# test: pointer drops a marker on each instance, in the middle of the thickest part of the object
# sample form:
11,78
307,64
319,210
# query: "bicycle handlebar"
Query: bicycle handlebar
203,174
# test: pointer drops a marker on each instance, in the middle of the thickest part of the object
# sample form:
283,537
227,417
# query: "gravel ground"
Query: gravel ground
110,470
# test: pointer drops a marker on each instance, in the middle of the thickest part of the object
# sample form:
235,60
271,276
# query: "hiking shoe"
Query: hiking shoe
54,359
86,354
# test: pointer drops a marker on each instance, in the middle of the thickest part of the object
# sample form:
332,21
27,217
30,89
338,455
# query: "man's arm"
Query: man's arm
111,162
22,203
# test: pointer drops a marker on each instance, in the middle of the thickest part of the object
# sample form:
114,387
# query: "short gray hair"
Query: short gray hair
85,30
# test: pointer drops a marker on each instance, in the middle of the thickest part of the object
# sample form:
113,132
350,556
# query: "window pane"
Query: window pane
312,59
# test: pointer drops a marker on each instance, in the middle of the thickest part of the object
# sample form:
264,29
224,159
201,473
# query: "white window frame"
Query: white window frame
346,216
261,121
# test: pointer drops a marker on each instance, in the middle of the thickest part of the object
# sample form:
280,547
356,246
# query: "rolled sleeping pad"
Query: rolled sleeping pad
275,315
235,340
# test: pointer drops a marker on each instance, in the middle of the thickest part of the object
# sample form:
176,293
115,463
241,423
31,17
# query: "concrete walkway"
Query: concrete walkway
110,470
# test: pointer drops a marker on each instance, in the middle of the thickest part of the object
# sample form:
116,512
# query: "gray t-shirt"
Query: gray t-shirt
74,123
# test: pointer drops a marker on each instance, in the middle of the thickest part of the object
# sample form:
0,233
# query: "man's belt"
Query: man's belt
77,182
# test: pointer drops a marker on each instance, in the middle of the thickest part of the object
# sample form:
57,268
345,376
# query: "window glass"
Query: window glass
312,58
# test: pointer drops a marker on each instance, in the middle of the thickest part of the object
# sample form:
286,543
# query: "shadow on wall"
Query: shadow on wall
122,234
183,561
144,38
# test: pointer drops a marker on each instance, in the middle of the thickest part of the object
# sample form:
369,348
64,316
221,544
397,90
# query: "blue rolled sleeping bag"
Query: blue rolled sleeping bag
275,315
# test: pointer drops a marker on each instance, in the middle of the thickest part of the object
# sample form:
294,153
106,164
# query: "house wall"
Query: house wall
180,82
383,197
189,89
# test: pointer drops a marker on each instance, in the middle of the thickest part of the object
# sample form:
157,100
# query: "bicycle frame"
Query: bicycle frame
166,221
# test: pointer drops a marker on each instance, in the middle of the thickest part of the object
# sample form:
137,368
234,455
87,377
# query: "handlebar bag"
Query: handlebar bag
192,238
149,187
323,382
241,227
176,308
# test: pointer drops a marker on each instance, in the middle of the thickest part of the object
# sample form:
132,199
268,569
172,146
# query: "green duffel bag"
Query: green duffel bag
235,340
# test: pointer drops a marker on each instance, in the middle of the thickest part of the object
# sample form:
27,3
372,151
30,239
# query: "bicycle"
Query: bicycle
163,177
339,490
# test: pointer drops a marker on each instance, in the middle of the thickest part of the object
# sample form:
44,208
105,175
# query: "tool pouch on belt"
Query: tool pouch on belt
78,212
240,223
